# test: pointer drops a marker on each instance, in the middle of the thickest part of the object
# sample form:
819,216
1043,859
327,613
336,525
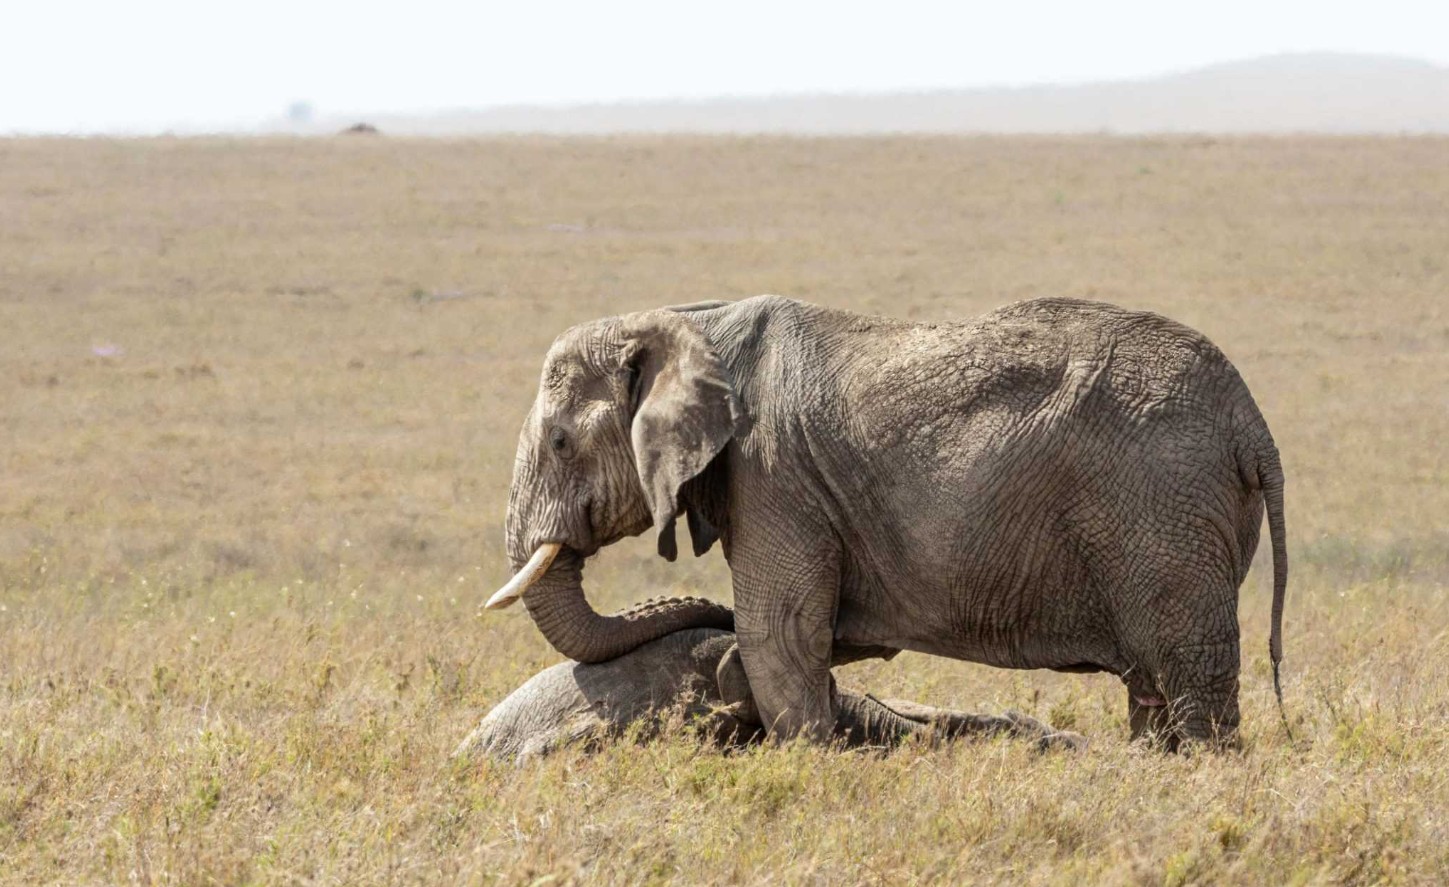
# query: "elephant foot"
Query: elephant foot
1062,740
734,687
731,726
1047,737
1173,726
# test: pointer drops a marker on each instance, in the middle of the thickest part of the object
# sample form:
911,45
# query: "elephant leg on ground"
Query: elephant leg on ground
949,724
863,720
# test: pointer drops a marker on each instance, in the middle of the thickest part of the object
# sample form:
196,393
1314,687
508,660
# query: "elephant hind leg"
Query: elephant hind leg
1194,698
1179,638
1203,696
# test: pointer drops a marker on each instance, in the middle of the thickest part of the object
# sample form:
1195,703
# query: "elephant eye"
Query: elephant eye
558,439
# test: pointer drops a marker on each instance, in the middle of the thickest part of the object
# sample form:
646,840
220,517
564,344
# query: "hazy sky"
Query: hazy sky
145,65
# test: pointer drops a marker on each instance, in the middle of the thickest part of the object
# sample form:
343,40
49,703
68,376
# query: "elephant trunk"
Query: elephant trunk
562,613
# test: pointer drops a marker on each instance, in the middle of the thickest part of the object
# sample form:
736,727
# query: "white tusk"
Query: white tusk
531,573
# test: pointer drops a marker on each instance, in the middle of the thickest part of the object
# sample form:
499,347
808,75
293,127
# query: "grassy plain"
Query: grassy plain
258,405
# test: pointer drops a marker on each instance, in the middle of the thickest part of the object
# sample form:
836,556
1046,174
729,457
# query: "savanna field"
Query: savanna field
258,407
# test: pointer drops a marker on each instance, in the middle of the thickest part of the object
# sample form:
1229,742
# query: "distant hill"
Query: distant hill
1306,92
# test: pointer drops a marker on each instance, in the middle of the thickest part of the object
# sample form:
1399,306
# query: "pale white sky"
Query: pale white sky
147,65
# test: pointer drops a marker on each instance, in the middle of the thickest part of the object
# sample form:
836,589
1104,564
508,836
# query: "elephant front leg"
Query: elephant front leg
784,622
789,679
858,720
739,702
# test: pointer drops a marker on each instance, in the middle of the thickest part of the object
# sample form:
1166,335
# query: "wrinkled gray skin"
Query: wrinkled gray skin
1057,484
696,675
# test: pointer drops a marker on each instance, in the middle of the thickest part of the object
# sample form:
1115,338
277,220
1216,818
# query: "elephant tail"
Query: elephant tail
1270,475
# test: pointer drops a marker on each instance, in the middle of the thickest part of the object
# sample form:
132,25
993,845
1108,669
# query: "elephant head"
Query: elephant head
629,410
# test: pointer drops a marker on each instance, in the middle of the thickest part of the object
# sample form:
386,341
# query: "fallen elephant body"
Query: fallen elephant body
695,676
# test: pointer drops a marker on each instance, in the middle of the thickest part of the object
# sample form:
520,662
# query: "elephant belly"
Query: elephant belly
1011,617
1000,559
999,645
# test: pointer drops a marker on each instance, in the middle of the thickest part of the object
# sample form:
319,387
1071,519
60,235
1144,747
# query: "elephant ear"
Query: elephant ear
684,412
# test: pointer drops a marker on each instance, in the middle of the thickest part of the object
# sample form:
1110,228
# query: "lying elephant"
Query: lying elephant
695,676
1056,484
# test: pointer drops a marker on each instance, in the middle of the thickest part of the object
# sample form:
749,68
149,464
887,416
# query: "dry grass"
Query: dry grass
240,561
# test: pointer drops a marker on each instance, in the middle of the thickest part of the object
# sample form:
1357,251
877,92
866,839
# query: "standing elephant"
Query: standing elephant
696,674
1057,484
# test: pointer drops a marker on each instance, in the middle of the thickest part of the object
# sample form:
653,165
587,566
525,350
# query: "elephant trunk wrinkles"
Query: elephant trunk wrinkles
562,613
